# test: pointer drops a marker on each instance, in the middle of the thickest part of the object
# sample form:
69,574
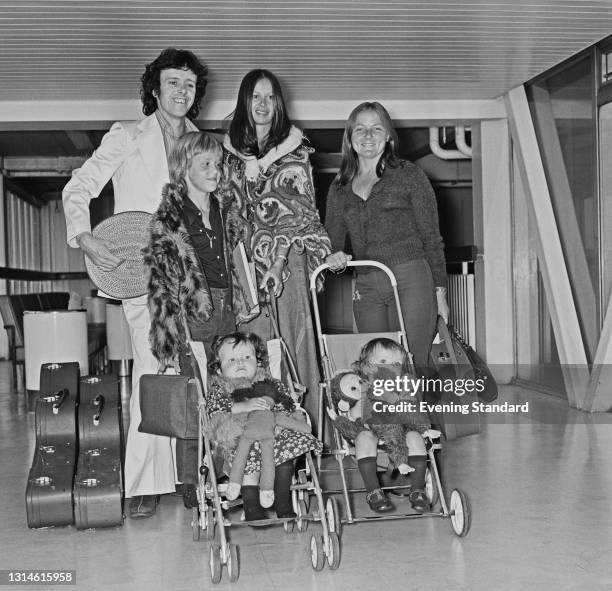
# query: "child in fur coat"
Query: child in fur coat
239,362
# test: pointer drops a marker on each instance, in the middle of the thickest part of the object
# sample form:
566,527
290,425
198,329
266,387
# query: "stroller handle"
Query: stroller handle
361,263
364,263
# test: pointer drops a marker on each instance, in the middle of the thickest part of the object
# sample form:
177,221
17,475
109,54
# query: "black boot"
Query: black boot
282,490
253,511
190,496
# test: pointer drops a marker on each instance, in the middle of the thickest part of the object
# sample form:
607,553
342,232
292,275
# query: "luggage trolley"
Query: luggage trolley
338,352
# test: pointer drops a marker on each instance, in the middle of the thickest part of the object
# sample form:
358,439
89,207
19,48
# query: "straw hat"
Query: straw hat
127,234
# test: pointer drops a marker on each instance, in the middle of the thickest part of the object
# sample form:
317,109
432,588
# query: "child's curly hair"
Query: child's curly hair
362,364
236,338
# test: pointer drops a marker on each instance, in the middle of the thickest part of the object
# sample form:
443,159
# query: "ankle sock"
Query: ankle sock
253,511
282,489
367,469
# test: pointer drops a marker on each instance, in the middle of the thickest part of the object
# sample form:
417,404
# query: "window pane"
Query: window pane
562,107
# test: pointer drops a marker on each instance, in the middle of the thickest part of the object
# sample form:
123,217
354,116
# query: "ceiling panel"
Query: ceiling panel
332,49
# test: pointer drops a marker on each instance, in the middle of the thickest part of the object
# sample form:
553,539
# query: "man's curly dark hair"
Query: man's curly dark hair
180,59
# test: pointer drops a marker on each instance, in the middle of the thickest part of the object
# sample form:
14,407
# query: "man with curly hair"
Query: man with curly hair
135,156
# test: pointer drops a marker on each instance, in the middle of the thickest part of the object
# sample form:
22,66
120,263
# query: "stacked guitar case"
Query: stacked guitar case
75,477
98,482
49,488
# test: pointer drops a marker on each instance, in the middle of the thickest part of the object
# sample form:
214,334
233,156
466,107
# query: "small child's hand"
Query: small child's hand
252,404
355,412
405,469
299,389
432,433
333,415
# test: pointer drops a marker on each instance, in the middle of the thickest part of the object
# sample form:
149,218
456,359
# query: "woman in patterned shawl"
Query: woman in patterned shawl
267,170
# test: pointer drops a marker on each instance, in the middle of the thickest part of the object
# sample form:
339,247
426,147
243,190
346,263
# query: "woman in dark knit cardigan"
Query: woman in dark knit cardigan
387,208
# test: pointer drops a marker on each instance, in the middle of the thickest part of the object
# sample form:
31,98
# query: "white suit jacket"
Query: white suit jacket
132,154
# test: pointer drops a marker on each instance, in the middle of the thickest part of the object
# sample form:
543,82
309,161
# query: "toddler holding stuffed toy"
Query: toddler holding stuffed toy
360,421
239,386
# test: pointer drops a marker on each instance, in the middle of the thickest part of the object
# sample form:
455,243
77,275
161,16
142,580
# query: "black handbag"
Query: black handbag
453,367
482,373
169,406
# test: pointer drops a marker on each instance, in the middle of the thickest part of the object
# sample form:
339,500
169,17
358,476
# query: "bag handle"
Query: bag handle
61,397
200,373
445,333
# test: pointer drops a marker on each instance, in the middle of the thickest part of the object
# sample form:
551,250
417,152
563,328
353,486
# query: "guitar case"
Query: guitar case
100,413
98,483
56,404
49,487
98,490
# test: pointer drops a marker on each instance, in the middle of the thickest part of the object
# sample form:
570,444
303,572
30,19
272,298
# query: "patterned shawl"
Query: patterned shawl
275,195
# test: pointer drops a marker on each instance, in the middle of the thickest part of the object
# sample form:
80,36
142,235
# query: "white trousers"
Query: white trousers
150,460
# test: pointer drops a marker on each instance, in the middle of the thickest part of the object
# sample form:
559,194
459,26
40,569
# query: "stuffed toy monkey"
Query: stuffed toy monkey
348,393
353,397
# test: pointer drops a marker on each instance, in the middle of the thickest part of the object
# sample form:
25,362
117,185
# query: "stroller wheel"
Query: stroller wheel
210,524
302,523
233,565
333,555
295,496
195,524
303,494
333,515
214,562
317,552
431,489
460,512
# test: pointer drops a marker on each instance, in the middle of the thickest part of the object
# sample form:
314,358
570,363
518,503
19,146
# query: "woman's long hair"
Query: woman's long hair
242,131
189,145
350,161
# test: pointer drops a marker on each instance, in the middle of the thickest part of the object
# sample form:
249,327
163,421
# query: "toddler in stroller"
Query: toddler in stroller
364,418
238,373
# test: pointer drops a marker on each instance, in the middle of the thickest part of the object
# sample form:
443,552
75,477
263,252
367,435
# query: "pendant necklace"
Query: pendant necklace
210,237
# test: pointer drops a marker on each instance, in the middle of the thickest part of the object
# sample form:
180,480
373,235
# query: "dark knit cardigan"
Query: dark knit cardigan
178,289
397,223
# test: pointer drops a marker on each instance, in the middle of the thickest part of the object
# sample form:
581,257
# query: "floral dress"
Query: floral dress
288,444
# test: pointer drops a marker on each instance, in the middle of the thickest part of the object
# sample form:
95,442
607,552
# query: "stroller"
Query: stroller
338,351
211,516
